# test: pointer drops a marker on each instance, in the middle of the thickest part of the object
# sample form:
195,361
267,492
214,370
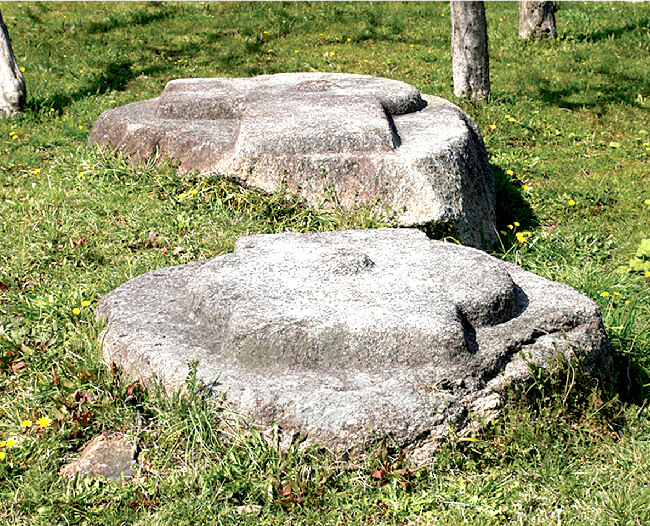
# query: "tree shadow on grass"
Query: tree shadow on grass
618,87
605,33
115,77
141,17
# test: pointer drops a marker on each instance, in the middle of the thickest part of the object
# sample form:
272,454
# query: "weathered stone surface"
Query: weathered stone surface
350,336
104,456
372,140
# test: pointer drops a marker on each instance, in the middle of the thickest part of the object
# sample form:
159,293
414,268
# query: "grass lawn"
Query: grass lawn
568,133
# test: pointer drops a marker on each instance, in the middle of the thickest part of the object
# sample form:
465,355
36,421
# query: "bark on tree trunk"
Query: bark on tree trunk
536,19
469,49
12,83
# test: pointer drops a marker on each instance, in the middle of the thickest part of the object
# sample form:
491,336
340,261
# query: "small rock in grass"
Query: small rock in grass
110,457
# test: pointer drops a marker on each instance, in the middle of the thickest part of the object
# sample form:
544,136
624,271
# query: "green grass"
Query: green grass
567,131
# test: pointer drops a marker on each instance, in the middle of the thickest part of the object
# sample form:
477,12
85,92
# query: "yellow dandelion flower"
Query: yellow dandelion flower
604,294
510,172
520,237
535,111
647,274
22,69
194,191
571,202
3,444
510,227
182,196
26,423
526,188
411,45
515,223
44,421
266,32
2,455
512,119
76,310
85,303
647,201
627,302
493,126
507,116
349,39
617,293
11,443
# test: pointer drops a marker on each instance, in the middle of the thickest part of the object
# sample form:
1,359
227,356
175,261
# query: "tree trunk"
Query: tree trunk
469,49
536,19
12,83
